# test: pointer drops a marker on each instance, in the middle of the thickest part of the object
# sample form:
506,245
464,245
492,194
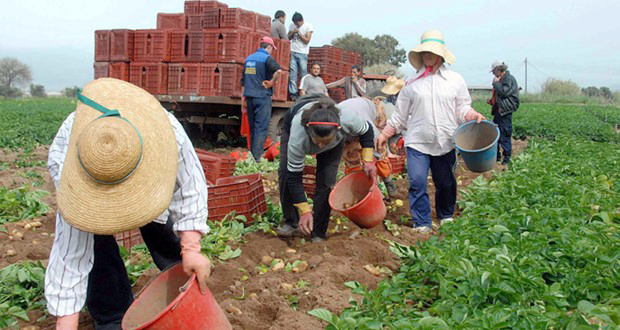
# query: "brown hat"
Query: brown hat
121,164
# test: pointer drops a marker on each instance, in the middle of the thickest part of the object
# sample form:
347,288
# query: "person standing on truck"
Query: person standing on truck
312,83
504,101
260,71
278,30
300,34
431,107
315,125
120,162
354,86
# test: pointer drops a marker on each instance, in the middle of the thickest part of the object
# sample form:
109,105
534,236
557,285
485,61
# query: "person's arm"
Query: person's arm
306,38
57,150
505,87
295,167
292,31
274,68
360,86
337,83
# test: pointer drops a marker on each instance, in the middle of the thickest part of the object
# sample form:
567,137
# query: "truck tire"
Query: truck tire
275,125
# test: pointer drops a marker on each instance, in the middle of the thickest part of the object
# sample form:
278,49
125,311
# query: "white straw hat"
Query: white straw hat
431,41
121,164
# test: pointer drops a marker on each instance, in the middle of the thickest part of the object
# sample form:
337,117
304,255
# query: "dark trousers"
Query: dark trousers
109,291
442,170
504,123
326,171
259,114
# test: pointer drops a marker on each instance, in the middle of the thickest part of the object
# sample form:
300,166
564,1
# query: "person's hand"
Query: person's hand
370,169
306,223
381,142
193,260
267,84
474,115
496,79
68,322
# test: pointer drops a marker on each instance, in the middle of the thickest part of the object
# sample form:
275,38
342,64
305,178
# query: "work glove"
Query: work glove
306,218
68,322
193,260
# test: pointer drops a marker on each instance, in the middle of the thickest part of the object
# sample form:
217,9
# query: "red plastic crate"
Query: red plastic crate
398,164
121,45
237,18
102,45
209,79
280,90
183,78
229,46
283,53
337,94
197,7
208,20
227,163
210,4
152,77
263,24
243,194
230,79
171,21
192,7
152,46
119,70
309,180
128,239
186,46
101,69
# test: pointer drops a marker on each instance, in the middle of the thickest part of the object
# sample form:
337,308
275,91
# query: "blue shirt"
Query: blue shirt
258,67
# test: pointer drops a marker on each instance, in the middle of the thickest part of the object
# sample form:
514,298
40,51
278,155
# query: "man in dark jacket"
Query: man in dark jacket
259,73
504,102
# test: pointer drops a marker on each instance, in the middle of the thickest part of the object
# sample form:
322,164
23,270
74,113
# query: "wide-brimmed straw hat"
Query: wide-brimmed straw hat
121,164
392,86
431,41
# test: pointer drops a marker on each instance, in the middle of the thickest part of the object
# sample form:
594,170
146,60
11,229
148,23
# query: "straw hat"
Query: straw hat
431,41
120,172
392,86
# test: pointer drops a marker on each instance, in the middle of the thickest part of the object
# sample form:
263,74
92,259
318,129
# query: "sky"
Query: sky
576,40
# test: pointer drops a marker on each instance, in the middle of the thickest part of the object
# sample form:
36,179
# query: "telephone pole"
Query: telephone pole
526,75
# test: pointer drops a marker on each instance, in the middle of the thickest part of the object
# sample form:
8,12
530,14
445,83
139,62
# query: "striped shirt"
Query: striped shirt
431,109
71,258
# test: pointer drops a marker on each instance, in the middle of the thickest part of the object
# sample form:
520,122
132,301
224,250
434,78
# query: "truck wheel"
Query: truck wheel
275,125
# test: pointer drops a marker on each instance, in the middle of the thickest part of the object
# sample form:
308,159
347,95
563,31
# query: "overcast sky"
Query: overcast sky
576,40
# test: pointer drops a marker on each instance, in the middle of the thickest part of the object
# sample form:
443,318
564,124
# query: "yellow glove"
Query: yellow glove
367,155
303,208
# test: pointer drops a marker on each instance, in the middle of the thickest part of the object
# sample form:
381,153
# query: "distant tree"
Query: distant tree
591,91
382,49
37,91
559,87
70,91
10,92
14,73
606,93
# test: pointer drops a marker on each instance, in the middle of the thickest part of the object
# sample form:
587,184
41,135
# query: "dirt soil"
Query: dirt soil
268,299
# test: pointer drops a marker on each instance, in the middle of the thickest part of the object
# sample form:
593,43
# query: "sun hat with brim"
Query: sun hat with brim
431,41
392,86
121,164
496,64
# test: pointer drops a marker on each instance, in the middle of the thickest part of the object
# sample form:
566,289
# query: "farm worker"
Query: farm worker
260,71
120,162
431,107
354,86
389,94
300,34
315,125
312,83
278,30
504,102
371,111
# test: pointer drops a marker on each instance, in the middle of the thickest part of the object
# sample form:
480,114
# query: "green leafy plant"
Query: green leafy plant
21,203
21,289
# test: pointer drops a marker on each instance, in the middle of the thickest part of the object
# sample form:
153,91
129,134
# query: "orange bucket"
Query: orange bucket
358,198
173,300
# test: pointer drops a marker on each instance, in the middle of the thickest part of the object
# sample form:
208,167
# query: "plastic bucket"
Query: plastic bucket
173,300
477,144
358,198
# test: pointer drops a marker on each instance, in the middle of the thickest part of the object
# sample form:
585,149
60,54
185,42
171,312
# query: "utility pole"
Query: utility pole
526,75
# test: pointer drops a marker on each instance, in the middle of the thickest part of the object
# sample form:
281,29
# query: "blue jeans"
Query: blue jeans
299,63
504,123
259,113
442,170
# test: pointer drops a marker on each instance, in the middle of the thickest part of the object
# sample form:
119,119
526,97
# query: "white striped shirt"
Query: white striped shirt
71,258
430,109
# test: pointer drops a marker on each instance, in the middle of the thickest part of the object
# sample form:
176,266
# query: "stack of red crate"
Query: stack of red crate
198,52
335,63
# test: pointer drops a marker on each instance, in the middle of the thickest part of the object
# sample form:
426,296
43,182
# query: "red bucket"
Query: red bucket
358,198
173,300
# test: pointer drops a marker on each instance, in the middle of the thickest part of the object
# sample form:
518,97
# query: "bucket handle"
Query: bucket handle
181,290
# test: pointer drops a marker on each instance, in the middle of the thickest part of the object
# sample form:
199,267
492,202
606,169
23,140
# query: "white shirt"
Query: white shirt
297,45
431,109
71,258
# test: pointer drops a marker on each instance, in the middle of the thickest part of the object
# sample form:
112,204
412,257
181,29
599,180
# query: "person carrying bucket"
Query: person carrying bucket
315,125
430,107
120,162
